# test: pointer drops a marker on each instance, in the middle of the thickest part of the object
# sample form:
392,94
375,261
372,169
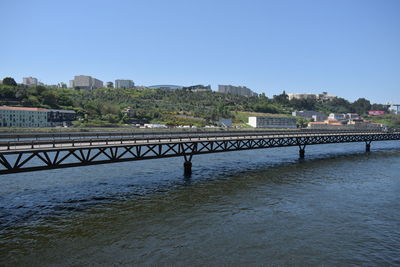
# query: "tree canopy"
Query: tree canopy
9,81
174,107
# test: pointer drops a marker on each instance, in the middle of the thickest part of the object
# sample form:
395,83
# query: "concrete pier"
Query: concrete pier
367,147
187,166
302,152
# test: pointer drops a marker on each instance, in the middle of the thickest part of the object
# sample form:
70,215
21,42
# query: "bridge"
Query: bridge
34,152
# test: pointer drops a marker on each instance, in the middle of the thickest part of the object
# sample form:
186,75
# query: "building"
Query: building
326,97
272,122
310,115
236,90
124,83
60,117
35,117
23,117
336,116
154,125
110,85
302,96
198,88
320,97
352,116
30,81
376,112
85,82
166,87
227,123
352,124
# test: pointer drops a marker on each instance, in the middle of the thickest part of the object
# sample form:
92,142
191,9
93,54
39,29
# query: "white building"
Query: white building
302,96
30,81
23,117
236,90
124,83
85,82
272,122
336,116
321,97
165,87
34,117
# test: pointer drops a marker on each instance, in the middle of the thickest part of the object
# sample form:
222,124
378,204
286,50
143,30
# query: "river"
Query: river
339,206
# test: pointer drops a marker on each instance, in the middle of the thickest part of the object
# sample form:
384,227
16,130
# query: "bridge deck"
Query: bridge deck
32,155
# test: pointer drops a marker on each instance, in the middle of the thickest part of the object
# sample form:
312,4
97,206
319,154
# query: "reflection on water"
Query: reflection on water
261,207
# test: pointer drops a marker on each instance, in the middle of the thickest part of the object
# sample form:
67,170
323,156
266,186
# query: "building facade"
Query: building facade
272,122
320,97
124,83
35,117
60,117
198,88
310,115
376,112
236,90
22,117
30,81
166,87
85,82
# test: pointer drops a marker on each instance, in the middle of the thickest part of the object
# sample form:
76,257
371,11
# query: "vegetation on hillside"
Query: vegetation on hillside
106,106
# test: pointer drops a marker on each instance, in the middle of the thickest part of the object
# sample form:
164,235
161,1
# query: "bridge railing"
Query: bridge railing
26,144
41,136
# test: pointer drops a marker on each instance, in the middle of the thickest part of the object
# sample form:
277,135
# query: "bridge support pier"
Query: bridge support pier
367,146
187,165
302,151
187,168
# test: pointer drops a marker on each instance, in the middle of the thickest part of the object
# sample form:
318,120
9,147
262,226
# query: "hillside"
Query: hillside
106,106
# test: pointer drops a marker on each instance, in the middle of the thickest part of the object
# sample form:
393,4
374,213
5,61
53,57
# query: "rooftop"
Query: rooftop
22,108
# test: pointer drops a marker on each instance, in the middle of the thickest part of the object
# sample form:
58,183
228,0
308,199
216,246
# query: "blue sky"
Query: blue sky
350,48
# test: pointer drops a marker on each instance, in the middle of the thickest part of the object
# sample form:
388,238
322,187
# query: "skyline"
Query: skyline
347,49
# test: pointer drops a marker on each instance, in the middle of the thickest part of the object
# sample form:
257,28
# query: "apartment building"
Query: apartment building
272,122
320,97
30,81
120,83
85,82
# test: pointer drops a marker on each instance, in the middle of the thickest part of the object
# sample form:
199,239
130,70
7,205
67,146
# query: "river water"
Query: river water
339,206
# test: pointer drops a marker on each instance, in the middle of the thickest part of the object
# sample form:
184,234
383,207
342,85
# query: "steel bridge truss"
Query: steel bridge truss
65,157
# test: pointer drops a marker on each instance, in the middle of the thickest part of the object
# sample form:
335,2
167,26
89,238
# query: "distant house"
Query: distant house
198,88
165,87
310,115
337,116
376,112
320,97
225,122
272,122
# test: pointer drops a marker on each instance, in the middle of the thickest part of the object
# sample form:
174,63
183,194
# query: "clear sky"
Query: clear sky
350,48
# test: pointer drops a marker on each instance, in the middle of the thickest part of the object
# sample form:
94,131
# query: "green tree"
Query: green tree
9,81
50,98
7,92
282,98
361,106
31,101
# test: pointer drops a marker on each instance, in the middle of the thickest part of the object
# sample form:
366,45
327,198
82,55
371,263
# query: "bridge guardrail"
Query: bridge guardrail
38,136
7,145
